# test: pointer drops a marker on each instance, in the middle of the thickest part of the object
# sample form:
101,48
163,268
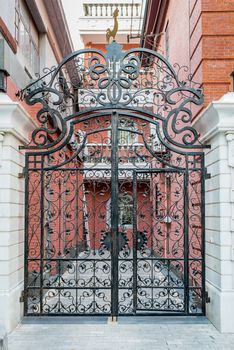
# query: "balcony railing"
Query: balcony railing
107,9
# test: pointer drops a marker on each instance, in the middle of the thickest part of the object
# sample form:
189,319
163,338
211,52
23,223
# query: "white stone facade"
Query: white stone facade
97,18
15,126
216,127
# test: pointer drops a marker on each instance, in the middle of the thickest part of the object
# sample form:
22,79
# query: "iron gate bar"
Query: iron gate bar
203,225
186,244
114,212
26,240
42,232
134,243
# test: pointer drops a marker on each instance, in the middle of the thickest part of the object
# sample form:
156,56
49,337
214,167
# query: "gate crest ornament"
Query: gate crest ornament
112,33
114,198
138,79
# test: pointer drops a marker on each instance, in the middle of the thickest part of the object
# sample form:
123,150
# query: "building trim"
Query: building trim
59,25
191,10
33,8
53,46
7,35
154,19
158,24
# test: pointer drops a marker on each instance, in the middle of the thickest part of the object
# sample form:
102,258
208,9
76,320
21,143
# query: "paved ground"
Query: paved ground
150,333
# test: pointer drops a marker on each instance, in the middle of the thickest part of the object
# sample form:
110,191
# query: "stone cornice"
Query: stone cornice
7,35
15,120
60,27
154,19
217,117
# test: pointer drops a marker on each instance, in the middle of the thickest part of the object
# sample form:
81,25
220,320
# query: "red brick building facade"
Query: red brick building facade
198,34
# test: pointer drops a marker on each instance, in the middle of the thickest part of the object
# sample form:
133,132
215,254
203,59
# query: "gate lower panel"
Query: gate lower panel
70,259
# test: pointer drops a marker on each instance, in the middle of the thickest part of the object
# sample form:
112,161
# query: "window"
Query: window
125,210
125,204
167,41
114,67
26,35
127,137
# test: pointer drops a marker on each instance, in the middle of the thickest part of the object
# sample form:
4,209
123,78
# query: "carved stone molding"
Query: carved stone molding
230,143
1,146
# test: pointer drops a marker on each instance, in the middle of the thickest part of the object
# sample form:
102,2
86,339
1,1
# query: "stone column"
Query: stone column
216,127
15,126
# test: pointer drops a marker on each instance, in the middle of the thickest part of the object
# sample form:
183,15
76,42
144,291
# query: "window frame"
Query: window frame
130,204
31,55
167,46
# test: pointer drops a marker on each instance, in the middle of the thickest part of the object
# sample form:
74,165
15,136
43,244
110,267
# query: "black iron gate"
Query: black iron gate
114,189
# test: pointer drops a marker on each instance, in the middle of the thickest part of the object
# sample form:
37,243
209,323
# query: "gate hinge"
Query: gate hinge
207,175
207,298
21,175
22,297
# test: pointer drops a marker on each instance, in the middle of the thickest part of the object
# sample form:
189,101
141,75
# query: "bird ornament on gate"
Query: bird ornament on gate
111,33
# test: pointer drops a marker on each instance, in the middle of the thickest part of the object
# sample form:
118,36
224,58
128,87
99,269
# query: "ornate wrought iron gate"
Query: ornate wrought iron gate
114,188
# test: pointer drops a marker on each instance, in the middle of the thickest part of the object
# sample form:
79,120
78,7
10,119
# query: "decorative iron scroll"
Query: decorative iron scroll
139,79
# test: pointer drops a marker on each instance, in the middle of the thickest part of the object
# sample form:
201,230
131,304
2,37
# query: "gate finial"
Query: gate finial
111,33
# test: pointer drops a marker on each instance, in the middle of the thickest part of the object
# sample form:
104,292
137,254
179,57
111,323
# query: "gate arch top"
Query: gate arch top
141,80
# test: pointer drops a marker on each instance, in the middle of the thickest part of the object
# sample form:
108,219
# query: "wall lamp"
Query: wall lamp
3,80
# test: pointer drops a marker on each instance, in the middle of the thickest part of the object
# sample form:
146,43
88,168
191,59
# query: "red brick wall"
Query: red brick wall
212,42
178,29
201,36
11,92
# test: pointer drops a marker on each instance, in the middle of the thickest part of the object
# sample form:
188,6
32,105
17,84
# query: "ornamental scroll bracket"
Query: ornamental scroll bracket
138,80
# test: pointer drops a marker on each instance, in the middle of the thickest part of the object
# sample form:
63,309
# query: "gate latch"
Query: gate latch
207,298
21,175
207,175
22,297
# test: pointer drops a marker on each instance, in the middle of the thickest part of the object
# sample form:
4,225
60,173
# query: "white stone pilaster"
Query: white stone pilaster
15,126
216,127
1,146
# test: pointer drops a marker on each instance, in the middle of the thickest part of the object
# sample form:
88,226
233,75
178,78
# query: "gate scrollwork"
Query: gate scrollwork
139,79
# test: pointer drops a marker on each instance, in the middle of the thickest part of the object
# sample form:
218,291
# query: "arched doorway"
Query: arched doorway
114,189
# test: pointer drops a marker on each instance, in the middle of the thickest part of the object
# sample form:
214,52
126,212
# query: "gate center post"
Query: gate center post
114,215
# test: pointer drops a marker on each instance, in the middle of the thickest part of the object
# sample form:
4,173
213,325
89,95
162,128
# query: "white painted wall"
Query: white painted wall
92,25
15,126
216,126
47,57
7,12
73,10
